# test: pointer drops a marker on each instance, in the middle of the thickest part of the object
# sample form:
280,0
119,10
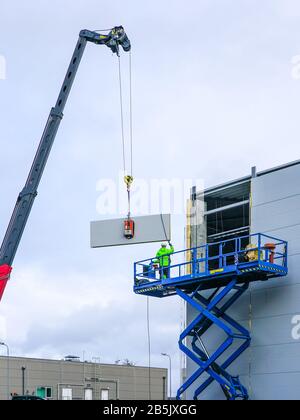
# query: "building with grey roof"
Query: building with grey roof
75,380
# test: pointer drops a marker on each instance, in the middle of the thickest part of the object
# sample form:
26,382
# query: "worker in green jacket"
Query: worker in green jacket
164,260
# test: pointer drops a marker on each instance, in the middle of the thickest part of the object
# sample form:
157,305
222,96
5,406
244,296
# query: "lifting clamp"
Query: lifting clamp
128,223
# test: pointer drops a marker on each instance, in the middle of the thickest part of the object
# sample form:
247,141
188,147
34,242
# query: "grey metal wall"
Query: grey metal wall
271,367
275,354
123,382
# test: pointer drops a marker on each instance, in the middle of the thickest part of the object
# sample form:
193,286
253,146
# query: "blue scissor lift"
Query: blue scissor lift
211,279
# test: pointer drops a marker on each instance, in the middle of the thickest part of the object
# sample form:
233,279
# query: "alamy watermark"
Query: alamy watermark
295,61
2,67
296,327
147,196
3,329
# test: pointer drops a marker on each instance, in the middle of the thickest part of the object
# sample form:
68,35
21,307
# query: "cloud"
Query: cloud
52,317
288,8
61,316
213,96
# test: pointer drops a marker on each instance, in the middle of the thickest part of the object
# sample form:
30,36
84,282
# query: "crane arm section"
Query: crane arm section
116,38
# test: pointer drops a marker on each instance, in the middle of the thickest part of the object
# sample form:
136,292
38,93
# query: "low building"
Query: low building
75,380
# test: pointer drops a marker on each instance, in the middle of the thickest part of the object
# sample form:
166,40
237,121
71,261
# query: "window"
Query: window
67,394
88,394
228,212
44,392
104,394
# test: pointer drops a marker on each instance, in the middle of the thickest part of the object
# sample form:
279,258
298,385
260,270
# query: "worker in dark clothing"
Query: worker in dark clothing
164,260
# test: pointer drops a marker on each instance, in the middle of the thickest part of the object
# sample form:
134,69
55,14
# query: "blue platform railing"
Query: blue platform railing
216,258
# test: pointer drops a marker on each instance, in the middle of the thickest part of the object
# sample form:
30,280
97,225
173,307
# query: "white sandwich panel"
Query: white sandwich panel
153,228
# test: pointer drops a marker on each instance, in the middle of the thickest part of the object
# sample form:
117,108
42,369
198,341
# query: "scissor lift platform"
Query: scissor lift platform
227,268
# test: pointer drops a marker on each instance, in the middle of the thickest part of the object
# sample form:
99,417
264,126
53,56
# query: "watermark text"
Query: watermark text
151,196
2,67
296,327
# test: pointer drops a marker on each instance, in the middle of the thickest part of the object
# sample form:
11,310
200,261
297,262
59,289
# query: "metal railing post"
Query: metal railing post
259,247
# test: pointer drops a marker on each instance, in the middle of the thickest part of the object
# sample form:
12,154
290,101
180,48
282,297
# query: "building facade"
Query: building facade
267,202
67,380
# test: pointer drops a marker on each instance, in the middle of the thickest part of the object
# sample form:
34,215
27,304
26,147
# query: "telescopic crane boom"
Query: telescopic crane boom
115,39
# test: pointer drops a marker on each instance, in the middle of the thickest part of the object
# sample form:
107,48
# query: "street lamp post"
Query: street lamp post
170,374
7,380
23,368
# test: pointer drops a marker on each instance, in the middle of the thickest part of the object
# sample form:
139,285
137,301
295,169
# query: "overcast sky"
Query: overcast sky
215,92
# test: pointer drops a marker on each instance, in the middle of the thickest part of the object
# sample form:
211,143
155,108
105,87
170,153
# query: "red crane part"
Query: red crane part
5,271
271,247
129,229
